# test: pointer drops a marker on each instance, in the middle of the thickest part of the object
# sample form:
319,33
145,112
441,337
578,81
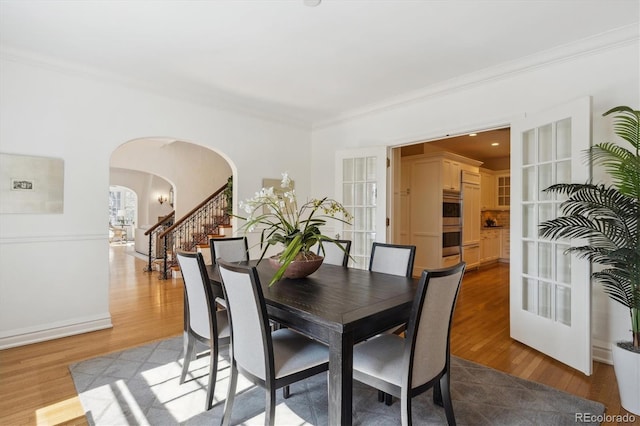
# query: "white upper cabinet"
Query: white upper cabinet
495,187
487,190
503,190
450,175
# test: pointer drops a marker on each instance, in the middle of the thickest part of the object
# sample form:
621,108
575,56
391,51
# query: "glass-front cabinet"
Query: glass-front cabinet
503,190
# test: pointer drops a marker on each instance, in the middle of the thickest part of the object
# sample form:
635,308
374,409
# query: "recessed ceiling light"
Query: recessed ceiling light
495,144
473,134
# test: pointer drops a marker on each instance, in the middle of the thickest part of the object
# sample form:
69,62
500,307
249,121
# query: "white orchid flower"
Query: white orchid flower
286,181
290,195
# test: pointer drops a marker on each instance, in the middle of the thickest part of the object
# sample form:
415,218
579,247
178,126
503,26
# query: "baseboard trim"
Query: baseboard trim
601,352
26,337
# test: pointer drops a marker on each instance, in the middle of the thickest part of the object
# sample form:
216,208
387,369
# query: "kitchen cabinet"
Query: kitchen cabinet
450,175
470,194
489,245
488,197
448,261
503,190
471,255
470,213
505,244
424,222
423,178
403,218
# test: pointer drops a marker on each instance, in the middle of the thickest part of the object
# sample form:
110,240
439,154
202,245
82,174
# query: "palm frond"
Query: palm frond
626,124
594,211
621,164
615,285
598,255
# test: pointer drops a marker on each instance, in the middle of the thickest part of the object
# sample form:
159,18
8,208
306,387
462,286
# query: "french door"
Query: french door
550,292
361,186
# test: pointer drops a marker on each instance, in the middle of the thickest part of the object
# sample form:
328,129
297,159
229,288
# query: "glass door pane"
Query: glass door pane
545,162
360,197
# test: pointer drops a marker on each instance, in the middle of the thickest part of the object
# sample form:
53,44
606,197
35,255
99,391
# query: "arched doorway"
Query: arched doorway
169,176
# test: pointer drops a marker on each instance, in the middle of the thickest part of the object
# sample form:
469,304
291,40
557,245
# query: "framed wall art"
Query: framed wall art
30,184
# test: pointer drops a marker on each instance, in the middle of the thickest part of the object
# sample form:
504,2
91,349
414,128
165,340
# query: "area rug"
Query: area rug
140,386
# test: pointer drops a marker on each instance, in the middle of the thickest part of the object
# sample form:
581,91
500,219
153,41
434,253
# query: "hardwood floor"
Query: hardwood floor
36,386
480,333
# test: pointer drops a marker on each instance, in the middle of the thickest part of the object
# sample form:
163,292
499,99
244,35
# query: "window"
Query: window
123,204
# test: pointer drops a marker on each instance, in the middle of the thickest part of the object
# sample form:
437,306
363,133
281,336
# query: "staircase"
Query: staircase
209,219
156,250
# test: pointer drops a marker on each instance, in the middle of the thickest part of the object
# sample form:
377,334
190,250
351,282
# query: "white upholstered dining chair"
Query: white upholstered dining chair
336,252
394,259
406,367
270,359
231,249
203,322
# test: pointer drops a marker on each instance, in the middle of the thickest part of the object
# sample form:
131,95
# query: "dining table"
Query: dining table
339,307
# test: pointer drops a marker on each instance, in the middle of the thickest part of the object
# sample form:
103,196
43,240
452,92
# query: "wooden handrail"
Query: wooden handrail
186,216
160,223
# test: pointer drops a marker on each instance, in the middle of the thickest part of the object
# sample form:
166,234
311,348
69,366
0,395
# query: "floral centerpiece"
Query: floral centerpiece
295,227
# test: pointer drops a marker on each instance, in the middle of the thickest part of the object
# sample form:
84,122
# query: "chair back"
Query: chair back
394,259
335,253
250,340
199,315
427,348
232,249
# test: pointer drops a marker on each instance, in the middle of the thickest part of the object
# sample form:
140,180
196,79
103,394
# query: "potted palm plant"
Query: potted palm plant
608,218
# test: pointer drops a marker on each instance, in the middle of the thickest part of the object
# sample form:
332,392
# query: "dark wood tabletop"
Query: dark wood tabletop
337,306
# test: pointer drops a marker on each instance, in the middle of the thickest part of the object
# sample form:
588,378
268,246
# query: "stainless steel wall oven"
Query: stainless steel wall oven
451,208
451,223
451,240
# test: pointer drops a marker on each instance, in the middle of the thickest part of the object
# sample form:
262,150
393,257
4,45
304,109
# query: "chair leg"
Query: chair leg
385,397
213,373
285,392
231,393
405,410
437,394
189,349
270,408
388,399
446,399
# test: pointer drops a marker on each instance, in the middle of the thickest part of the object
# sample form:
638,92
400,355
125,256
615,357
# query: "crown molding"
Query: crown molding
591,45
219,101
224,102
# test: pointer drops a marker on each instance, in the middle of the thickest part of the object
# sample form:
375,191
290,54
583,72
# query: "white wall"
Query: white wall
611,76
54,268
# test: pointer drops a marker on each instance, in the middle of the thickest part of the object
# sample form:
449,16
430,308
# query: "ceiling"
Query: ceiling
480,147
491,147
283,59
